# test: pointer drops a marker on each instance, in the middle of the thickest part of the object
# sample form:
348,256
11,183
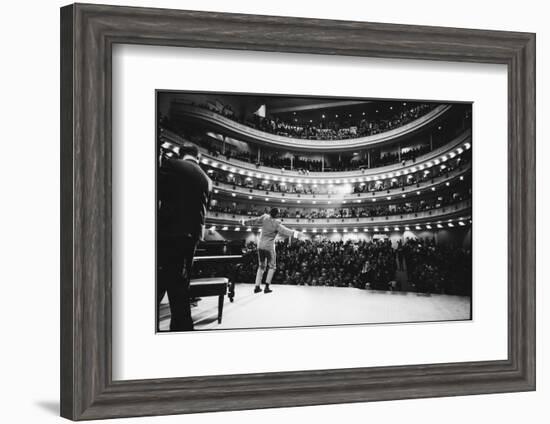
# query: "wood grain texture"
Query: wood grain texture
88,33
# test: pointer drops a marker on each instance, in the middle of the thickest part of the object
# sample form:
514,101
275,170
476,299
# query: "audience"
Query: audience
430,268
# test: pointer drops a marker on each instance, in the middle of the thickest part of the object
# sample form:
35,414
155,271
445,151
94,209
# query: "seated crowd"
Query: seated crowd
349,212
325,129
313,189
430,268
305,165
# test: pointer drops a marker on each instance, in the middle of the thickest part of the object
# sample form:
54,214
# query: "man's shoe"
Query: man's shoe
267,290
257,289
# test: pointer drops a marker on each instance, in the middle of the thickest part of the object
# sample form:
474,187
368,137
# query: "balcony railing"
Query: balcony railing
241,193
264,172
251,134
459,210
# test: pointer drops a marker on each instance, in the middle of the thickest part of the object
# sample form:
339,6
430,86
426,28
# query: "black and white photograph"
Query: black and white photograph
281,211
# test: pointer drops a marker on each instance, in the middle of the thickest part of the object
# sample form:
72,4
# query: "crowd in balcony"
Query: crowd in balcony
403,208
306,165
237,180
431,268
326,129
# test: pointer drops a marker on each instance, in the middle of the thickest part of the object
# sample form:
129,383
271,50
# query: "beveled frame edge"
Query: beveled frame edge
88,33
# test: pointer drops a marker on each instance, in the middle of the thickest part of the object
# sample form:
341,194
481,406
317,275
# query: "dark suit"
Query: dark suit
183,193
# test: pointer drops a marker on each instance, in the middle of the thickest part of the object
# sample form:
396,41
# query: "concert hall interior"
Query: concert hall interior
379,193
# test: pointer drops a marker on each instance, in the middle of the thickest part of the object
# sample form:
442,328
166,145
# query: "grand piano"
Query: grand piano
218,259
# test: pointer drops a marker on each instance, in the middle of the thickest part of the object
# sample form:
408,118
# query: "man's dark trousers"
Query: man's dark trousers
175,259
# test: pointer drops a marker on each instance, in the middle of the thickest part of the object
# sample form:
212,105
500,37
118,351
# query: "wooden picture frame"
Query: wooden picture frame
88,33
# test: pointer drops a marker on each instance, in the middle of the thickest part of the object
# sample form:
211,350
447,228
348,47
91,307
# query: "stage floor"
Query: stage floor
296,306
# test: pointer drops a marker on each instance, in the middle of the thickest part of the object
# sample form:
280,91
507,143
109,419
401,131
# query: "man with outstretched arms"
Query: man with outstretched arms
271,227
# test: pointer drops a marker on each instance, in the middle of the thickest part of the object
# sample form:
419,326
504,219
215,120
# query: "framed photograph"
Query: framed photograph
264,212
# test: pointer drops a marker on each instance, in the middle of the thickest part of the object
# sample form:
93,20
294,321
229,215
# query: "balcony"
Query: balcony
457,211
239,193
243,132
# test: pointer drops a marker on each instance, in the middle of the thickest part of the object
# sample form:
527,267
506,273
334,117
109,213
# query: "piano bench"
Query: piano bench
202,287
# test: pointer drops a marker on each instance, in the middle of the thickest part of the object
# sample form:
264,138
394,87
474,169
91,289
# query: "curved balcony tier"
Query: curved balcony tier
431,186
454,213
243,132
459,144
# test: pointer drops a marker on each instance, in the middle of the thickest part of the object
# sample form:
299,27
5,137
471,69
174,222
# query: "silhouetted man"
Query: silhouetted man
183,193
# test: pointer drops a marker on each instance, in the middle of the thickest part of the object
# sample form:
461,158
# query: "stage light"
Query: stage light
452,154
433,188
249,229
345,230
467,145
374,200
224,229
283,200
365,230
461,223
396,229
403,195
249,197
324,230
459,150
323,116
233,194
461,178
439,226
418,192
266,199
418,227
447,183
450,224
216,191
355,230
389,197
407,229
335,230
314,230
429,227
386,229
375,229
237,228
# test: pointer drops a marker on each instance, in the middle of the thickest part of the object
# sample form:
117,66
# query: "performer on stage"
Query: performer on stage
271,227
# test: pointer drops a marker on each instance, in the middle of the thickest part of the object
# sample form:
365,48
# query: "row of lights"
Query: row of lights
329,202
439,225
435,162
